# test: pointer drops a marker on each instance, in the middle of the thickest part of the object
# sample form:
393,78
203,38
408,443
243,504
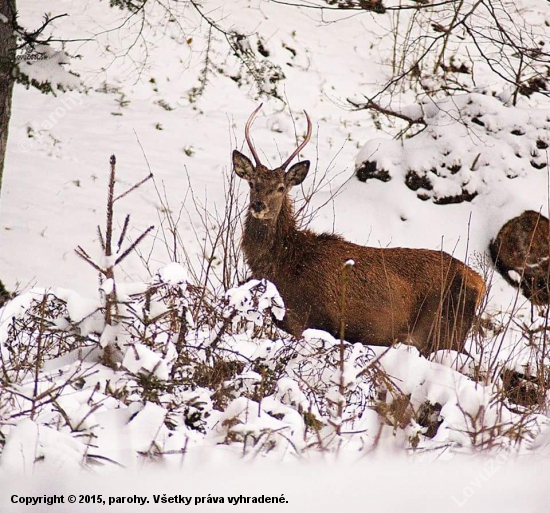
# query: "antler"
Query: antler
247,134
300,148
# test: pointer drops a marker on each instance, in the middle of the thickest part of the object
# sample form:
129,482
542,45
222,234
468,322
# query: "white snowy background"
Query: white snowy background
135,96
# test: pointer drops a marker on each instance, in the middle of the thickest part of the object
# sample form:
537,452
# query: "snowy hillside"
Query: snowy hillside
168,363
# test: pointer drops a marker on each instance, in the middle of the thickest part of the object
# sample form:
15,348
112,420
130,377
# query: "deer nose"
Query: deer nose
258,206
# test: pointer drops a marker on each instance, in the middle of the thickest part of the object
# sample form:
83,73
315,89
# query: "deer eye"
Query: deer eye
281,188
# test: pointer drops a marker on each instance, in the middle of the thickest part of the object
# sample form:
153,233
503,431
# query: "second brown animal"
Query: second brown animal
521,253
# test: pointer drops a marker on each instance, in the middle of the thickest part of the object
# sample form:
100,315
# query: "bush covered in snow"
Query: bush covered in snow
467,144
191,370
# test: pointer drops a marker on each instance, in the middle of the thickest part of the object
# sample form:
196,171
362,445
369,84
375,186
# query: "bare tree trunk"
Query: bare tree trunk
7,62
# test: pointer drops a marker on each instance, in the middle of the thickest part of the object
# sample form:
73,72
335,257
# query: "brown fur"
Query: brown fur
523,246
416,296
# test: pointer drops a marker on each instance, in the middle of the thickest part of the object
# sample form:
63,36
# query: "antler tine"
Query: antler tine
247,134
301,147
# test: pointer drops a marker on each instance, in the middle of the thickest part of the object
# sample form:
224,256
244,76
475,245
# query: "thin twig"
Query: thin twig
134,187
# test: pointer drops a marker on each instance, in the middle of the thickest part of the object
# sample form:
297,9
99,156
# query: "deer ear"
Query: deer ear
242,165
297,173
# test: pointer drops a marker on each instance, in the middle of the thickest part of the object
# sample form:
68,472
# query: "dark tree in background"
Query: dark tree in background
8,42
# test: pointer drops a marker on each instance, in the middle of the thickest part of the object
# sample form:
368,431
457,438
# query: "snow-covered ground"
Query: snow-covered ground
140,102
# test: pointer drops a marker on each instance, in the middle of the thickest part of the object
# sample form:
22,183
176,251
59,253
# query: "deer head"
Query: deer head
269,187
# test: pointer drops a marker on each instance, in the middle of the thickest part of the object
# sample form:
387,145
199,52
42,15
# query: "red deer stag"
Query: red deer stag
416,296
521,252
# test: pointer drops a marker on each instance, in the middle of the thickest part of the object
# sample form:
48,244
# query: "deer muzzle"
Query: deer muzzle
258,209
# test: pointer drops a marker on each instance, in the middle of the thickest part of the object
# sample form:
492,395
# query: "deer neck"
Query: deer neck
268,243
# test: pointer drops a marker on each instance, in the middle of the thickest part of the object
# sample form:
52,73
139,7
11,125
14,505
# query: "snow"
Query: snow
475,156
140,358
253,300
173,273
45,65
31,442
273,424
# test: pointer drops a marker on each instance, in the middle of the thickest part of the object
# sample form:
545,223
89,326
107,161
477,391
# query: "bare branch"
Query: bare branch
82,254
369,104
123,232
134,187
133,245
